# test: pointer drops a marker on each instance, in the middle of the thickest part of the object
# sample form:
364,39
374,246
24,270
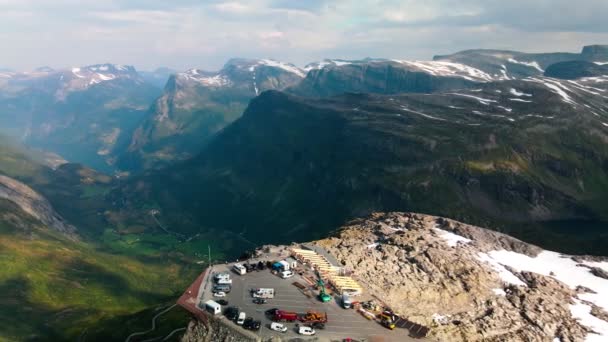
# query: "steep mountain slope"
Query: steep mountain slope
57,289
33,204
82,114
196,104
508,152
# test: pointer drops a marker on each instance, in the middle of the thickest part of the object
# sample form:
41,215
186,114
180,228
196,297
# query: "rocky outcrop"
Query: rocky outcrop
465,283
35,205
216,331
436,272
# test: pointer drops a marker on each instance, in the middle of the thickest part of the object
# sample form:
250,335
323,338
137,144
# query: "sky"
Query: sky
184,34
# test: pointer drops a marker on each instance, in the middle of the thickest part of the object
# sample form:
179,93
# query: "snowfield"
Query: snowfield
552,264
564,269
287,67
448,69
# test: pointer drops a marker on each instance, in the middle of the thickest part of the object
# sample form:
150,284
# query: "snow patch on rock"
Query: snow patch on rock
450,238
532,64
518,93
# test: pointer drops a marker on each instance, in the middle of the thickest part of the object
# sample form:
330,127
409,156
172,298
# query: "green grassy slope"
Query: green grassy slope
103,287
56,289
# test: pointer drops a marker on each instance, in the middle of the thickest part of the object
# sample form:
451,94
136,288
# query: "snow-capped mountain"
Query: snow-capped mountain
256,74
197,103
80,113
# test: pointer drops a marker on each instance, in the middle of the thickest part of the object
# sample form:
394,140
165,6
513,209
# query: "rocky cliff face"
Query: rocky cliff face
33,204
216,331
472,284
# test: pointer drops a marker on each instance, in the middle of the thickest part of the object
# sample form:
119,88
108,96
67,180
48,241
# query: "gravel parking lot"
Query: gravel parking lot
341,323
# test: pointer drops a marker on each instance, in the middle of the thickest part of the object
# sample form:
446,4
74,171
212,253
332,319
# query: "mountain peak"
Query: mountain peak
252,64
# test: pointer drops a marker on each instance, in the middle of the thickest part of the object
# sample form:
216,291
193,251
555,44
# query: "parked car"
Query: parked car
261,266
241,318
231,313
318,325
248,323
219,294
308,331
278,327
222,302
271,312
260,301
256,325
222,288
286,274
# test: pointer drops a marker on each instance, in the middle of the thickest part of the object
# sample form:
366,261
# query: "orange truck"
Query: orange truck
313,317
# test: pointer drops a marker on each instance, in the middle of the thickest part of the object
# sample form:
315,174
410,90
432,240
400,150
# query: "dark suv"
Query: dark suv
250,324
231,313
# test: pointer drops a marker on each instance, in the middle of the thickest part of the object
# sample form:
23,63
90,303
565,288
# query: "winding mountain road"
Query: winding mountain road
153,323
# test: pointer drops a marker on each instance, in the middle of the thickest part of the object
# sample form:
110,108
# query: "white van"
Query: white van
308,331
278,327
241,318
262,293
286,274
213,307
239,269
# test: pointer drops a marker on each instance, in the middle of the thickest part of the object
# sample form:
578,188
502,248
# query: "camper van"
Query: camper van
239,269
262,293
213,307
221,276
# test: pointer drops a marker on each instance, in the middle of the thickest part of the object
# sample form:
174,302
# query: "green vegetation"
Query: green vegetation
160,245
56,289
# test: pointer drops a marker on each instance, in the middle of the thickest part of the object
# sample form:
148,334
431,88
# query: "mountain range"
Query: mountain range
114,118
509,152
82,114
118,174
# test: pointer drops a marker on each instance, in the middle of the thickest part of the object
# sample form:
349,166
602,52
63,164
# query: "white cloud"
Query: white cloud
233,7
195,33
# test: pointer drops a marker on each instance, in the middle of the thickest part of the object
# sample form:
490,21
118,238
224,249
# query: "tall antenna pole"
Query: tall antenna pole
209,248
